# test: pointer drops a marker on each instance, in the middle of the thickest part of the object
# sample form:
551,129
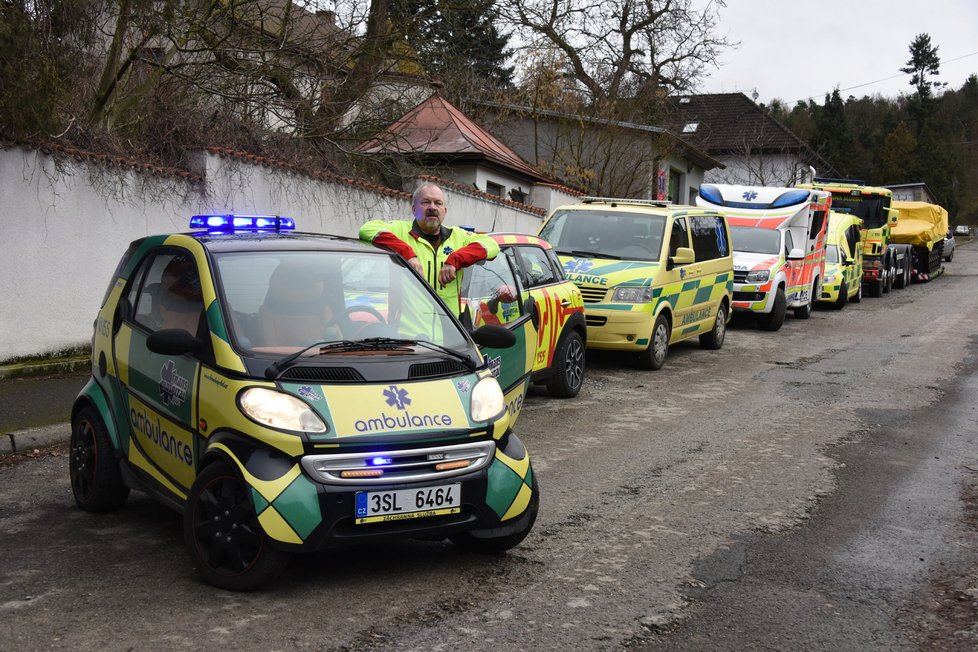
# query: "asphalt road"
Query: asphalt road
806,489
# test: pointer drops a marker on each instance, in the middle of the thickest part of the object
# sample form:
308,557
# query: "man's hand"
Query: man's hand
416,264
447,274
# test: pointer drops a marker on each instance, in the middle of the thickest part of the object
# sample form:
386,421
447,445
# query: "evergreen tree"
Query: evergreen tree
457,39
923,63
834,138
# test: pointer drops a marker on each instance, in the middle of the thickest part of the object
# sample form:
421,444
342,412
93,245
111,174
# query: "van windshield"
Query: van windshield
606,234
753,240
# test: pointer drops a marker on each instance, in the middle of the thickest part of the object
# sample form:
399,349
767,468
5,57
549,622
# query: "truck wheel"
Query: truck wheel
878,287
947,259
773,320
805,311
714,339
228,546
484,543
96,481
840,303
568,372
655,355
888,281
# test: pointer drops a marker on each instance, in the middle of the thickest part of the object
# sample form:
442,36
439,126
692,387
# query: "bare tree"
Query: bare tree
613,48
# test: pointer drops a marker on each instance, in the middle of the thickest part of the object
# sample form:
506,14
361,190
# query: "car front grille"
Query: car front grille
397,466
593,295
323,374
435,369
740,276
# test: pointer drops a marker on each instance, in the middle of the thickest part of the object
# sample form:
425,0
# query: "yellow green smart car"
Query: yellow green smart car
292,392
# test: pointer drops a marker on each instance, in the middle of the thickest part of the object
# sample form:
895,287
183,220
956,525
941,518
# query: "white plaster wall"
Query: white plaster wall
66,222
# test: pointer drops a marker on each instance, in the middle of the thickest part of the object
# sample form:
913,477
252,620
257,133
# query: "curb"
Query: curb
21,440
45,367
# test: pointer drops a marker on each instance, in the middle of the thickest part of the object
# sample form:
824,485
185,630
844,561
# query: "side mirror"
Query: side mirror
796,254
494,337
530,307
172,341
683,256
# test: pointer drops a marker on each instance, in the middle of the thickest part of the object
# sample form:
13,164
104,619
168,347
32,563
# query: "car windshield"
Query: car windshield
832,254
278,302
753,240
610,234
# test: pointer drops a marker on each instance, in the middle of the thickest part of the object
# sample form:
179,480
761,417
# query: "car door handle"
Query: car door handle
565,303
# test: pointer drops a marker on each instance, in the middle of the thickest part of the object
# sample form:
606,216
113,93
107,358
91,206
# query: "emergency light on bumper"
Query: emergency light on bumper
280,411
632,295
403,466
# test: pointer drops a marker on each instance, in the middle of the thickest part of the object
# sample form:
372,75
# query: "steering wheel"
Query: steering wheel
366,309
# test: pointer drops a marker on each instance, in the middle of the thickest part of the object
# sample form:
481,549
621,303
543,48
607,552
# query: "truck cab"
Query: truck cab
778,240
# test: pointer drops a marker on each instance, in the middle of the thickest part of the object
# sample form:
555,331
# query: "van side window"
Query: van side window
679,237
710,239
817,220
789,243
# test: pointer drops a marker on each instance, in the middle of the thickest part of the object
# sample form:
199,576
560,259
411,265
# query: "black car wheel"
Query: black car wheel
773,320
228,545
569,363
843,298
714,339
96,481
655,355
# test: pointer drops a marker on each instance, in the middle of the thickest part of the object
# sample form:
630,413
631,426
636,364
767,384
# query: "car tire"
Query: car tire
805,311
228,546
714,339
569,365
840,302
773,320
858,296
96,480
654,356
484,543
947,259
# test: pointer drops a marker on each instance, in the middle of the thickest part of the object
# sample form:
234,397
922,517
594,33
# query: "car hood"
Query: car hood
748,262
602,272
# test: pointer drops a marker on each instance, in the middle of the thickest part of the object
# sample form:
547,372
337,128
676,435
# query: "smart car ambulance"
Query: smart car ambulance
778,237
651,273
240,377
843,280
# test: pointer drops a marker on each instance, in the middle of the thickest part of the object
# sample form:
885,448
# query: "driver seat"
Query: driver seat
295,311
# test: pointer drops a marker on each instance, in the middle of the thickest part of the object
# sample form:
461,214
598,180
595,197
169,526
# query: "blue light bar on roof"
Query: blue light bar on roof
233,223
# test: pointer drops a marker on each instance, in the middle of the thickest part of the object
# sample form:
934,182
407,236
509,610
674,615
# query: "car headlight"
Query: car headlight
632,295
487,400
277,410
759,276
829,278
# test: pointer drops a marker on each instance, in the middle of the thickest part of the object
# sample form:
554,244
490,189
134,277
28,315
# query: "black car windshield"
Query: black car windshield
278,302
610,234
753,240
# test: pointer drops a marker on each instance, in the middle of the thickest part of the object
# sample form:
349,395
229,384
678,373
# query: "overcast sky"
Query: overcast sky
793,50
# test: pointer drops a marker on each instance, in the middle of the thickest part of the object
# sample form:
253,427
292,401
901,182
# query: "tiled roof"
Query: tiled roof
437,128
728,123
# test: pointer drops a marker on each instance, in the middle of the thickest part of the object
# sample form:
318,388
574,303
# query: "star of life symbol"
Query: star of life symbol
463,385
397,398
447,250
578,266
173,386
682,272
308,392
750,195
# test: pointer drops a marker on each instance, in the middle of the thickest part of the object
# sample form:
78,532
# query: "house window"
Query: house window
494,189
517,195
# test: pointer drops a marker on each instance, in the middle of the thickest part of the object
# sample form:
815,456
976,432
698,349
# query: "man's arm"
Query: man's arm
478,247
380,233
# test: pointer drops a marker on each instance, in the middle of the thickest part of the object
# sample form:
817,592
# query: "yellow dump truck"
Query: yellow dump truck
923,227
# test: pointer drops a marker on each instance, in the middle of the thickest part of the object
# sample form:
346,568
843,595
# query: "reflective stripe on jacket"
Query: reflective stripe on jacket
459,248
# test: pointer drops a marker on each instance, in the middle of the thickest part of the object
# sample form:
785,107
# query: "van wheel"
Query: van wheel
568,372
228,546
840,303
805,311
773,320
96,481
495,545
714,339
655,355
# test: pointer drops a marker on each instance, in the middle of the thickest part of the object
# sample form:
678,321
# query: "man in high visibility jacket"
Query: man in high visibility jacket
436,252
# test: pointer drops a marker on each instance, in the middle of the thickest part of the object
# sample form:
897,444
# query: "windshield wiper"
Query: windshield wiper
277,367
388,341
580,253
